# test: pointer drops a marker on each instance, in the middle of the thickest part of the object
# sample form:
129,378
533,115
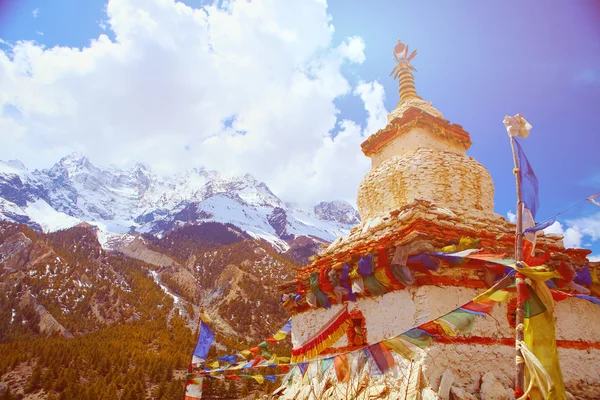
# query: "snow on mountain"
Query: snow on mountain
49,219
135,199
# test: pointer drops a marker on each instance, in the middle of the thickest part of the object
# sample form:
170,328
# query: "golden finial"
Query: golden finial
402,71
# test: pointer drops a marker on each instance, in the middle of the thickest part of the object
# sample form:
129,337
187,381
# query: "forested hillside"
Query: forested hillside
79,322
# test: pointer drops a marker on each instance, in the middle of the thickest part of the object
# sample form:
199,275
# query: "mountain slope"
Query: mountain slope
64,284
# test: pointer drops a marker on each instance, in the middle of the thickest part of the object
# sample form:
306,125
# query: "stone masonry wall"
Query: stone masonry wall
446,178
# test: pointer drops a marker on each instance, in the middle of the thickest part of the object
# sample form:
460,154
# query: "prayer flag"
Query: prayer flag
287,328
418,337
193,389
248,365
325,364
284,368
205,340
270,378
302,367
540,226
457,321
539,329
529,182
228,359
342,369
399,346
382,356
246,353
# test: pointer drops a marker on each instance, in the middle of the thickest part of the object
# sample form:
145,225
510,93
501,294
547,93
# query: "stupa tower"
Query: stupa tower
428,243
420,155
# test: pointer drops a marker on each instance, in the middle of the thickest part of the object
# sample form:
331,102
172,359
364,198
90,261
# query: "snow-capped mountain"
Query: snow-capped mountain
136,200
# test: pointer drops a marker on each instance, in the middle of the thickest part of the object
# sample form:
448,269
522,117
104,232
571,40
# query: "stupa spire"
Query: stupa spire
402,72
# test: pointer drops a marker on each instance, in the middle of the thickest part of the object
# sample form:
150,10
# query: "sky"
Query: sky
287,90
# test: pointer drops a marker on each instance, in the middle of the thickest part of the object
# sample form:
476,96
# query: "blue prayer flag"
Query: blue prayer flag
287,327
588,298
205,340
270,378
303,366
540,226
583,276
228,359
529,182
248,365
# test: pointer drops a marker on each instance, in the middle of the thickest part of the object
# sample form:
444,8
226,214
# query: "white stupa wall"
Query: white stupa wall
416,138
396,312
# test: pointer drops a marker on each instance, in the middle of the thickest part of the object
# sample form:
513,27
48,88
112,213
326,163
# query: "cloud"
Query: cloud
589,225
353,49
571,236
247,87
577,229
35,13
39,33
512,217
373,95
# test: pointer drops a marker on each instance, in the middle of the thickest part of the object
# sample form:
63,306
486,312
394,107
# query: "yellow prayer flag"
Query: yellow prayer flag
246,353
540,337
499,296
538,273
272,360
399,347
594,274
258,378
280,336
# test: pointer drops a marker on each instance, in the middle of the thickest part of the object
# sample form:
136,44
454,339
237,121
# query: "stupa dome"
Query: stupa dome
421,156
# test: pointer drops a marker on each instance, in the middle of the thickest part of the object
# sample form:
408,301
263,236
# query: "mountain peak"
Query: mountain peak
73,157
337,211
133,197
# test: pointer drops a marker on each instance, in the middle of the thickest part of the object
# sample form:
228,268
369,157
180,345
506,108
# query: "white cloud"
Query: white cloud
589,225
353,49
571,236
512,217
35,13
39,33
577,229
594,258
174,74
373,94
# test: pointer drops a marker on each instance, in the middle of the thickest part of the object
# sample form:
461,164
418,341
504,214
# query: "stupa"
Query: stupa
424,195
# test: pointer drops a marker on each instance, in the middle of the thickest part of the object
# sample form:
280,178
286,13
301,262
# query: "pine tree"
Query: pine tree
35,381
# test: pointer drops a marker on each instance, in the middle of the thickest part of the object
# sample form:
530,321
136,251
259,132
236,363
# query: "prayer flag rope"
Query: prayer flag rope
459,321
280,335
